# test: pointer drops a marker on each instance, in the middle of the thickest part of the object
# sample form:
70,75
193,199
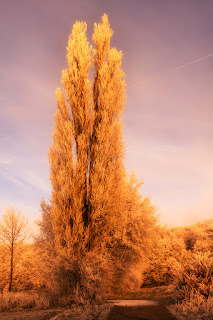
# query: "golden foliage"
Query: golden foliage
94,204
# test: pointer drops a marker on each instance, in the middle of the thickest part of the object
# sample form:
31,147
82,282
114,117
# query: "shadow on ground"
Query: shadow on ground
140,313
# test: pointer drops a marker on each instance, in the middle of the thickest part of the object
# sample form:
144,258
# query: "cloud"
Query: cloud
198,210
185,65
6,174
5,160
26,179
36,180
178,177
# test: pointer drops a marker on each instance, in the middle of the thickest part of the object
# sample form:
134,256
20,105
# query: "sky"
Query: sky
168,117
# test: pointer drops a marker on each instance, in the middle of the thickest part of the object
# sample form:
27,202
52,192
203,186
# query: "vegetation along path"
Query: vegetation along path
139,309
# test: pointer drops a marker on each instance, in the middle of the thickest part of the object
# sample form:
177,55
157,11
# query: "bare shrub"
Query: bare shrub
79,279
194,307
194,278
194,289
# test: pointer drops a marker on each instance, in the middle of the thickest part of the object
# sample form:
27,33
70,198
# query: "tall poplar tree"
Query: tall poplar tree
86,157
94,204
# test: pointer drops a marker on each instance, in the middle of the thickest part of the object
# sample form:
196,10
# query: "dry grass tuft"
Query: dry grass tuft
195,277
21,301
195,307
194,288
25,301
87,312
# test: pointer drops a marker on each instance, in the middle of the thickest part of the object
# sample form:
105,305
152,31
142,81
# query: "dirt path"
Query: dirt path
139,310
121,310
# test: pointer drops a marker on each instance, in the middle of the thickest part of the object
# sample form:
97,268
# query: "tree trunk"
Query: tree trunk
11,270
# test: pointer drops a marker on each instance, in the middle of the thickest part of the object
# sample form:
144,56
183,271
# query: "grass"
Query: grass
195,307
193,289
29,305
34,306
85,313
22,301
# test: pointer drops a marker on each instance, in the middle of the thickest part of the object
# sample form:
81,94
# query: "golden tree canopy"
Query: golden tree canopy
92,200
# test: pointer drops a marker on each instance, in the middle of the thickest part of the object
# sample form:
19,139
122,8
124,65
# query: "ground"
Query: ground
30,315
163,294
141,313
154,312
